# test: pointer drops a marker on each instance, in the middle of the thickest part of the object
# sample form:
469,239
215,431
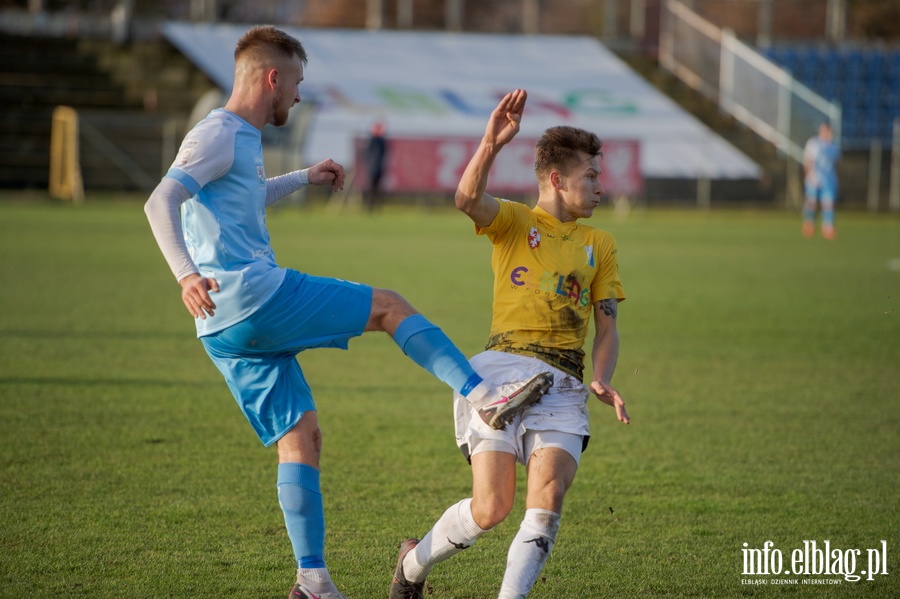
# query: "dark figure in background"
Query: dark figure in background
376,159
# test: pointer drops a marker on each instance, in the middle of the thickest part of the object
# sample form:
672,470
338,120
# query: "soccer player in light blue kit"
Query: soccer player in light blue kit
820,157
254,317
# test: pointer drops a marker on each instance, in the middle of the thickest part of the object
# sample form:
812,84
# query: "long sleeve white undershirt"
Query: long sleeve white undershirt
280,186
162,210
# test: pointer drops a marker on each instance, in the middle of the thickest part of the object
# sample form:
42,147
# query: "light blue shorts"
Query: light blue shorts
822,192
257,356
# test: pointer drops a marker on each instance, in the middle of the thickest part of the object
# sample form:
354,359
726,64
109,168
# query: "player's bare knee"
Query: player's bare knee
303,443
389,309
491,511
549,496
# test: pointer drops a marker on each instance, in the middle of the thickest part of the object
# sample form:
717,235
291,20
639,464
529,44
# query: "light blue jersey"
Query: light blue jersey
221,163
822,156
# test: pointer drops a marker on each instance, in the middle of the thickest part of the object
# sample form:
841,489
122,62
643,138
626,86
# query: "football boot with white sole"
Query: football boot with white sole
511,399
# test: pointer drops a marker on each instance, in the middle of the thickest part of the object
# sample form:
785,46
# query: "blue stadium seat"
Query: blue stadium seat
789,58
831,58
848,97
859,125
807,64
893,67
866,83
872,100
890,96
888,122
866,66
851,63
873,125
773,54
877,64
828,87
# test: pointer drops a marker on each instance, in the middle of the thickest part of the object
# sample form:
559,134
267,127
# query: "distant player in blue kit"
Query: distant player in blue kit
253,317
820,158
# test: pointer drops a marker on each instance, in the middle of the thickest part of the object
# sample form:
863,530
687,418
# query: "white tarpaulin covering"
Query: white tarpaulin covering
445,84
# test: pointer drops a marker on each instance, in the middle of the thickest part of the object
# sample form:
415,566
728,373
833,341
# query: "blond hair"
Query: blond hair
266,41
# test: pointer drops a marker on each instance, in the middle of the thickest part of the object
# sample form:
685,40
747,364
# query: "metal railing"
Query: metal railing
745,84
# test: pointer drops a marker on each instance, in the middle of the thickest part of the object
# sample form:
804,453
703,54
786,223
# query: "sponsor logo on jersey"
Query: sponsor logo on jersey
260,170
557,284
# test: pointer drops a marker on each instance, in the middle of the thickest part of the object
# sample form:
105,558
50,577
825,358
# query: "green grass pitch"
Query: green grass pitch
760,369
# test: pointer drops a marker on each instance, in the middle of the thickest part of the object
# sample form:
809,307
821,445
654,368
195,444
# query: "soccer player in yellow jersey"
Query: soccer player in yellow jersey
550,274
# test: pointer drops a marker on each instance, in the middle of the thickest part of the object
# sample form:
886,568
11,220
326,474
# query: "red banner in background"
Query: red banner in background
435,165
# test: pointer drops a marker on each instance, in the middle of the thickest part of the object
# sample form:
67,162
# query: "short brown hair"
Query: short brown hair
558,148
265,37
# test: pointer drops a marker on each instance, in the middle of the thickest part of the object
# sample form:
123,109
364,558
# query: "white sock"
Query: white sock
317,579
480,394
528,552
454,531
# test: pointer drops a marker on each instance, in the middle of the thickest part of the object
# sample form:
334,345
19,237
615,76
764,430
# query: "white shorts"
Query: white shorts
560,420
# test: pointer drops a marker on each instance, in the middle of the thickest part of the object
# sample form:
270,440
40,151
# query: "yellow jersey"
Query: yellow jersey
547,277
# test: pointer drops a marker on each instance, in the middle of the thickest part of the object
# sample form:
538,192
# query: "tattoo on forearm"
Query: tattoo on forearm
610,307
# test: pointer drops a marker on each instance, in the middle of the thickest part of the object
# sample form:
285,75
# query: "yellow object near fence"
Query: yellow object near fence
65,167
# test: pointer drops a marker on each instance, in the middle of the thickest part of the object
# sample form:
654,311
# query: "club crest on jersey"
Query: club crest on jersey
589,250
534,238
186,151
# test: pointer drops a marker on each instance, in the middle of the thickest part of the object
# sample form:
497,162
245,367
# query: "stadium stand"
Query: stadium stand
36,75
154,84
125,99
865,80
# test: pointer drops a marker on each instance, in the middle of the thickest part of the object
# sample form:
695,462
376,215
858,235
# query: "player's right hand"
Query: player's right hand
504,121
195,295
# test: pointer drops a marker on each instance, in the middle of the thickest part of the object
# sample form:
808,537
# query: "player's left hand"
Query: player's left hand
608,395
327,171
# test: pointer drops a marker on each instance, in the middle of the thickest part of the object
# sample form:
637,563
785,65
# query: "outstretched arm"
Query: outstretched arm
605,354
502,127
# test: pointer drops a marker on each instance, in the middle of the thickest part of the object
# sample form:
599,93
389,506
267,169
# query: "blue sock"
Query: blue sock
430,348
809,211
827,215
304,516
